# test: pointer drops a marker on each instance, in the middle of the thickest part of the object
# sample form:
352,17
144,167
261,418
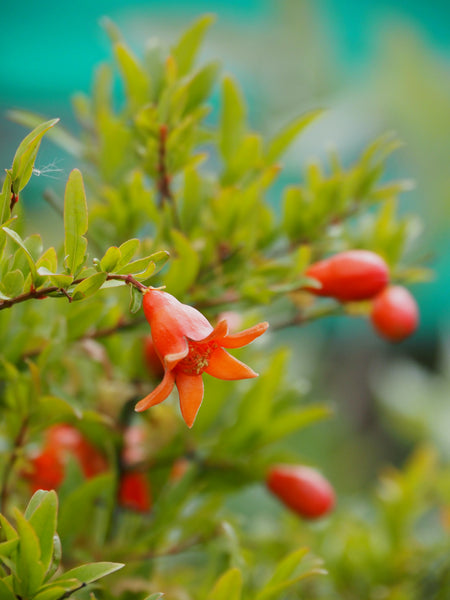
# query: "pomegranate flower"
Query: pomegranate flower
188,346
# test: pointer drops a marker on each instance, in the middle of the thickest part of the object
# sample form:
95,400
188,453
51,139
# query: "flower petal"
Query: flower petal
190,389
219,332
159,394
171,360
237,340
224,366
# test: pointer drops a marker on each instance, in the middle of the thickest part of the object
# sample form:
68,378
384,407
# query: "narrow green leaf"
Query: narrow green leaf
287,566
233,119
135,300
91,572
228,586
111,259
25,156
8,530
59,136
60,280
54,592
75,222
88,286
5,592
273,592
8,547
5,199
184,268
141,265
127,250
48,260
185,51
281,142
30,570
200,86
43,519
19,241
13,282
136,79
156,596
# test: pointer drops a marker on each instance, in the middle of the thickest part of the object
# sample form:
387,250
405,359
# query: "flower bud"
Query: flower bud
350,276
302,489
395,314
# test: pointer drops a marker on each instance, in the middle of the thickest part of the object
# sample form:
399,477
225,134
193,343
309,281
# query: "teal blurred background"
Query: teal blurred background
376,66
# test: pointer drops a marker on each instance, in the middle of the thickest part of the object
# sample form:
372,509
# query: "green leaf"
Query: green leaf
59,136
185,51
289,422
137,81
19,241
160,258
184,268
91,572
75,222
135,300
5,199
287,135
200,86
52,409
42,513
156,596
8,547
13,282
228,586
8,530
60,280
54,592
111,259
30,570
89,286
127,250
5,592
287,566
233,119
139,266
285,577
25,156
49,260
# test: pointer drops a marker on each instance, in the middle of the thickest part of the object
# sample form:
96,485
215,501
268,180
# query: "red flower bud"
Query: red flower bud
302,489
66,439
351,275
134,492
45,471
395,314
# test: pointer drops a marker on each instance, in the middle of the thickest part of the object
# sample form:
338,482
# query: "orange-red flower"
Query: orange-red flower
188,346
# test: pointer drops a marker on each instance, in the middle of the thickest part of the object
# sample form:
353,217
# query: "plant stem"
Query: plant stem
43,292
18,443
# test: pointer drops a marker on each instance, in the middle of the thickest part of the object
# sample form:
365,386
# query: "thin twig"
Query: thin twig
43,292
18,443
163,183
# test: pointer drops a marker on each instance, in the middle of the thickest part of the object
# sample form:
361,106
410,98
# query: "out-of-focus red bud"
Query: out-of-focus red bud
134,492
45,471
395,314
350,276
302,489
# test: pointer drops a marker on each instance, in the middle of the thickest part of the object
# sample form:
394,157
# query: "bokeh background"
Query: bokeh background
376,66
